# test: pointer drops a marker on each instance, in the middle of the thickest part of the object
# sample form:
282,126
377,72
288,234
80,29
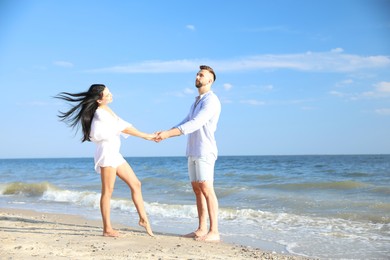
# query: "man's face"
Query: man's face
202,78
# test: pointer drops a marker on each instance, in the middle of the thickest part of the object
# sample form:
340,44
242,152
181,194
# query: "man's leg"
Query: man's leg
205,181
201,206
200,201
208,192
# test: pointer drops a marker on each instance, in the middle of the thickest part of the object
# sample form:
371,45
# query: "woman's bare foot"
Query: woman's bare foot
146,225
195,234
112,233
209,237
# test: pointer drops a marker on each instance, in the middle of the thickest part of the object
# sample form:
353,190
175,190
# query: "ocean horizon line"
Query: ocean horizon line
179,156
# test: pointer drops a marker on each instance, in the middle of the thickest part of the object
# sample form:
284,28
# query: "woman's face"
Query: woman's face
106,97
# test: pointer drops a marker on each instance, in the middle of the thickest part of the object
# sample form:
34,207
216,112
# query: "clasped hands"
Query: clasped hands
157,136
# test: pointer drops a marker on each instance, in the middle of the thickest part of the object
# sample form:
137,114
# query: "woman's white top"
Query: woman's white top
106,130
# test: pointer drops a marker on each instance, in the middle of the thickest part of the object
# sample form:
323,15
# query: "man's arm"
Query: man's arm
210,107
167,134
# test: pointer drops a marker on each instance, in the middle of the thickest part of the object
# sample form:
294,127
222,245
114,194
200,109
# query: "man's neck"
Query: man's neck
204,89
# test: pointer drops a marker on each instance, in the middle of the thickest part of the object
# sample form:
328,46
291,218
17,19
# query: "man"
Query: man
200,125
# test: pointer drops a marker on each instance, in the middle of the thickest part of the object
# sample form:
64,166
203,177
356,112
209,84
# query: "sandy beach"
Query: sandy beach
27,234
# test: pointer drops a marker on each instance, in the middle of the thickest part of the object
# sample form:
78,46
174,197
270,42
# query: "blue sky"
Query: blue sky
294,77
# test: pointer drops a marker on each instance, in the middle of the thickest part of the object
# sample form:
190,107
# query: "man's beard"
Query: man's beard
198,84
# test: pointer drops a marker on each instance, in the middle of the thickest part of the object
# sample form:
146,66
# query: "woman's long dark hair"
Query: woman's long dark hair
84,109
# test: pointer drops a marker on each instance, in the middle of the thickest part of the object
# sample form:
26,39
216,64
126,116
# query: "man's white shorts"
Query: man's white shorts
201,168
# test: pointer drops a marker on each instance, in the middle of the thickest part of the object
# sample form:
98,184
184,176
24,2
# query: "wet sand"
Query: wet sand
28,234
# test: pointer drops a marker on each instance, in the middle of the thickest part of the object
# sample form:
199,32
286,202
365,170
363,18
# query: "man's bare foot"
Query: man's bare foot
147,227
195,234
190,235
209,237
112,233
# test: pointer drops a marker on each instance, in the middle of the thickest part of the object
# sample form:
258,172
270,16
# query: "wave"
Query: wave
381,190
357,174
54,193
26,189
47,192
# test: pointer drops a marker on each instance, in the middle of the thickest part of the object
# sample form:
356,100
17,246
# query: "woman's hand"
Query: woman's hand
135,132
150,137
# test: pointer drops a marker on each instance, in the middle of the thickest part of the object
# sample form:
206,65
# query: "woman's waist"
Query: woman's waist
114,142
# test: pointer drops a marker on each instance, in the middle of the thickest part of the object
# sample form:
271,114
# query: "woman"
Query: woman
102,126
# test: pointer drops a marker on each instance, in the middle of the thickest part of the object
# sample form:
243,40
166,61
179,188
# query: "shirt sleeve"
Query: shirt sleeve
122,125
104,127
182,122
210,107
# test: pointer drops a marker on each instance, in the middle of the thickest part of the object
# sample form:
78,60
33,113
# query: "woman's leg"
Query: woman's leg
108,175
126,173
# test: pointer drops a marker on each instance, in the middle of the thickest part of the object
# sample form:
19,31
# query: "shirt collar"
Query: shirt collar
201,96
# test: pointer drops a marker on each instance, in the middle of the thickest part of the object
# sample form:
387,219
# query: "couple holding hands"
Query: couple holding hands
103,127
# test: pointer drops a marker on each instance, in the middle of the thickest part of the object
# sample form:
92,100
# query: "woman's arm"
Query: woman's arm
135,132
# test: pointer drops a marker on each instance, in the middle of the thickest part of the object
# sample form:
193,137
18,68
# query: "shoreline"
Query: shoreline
26,233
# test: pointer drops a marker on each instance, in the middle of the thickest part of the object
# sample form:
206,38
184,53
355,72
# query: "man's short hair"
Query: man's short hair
209,69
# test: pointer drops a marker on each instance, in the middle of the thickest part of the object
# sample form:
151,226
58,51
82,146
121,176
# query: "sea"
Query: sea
319,206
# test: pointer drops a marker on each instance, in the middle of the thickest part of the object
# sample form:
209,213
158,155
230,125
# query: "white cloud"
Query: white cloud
226,100
337,50
380,90
383,87
268,87
383,111
337,93
333,61
190,27
64,64
344,83
182,93
227,86
253,102
153,66
189,91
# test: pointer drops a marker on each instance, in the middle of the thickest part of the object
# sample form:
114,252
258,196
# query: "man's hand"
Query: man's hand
161,135
150,137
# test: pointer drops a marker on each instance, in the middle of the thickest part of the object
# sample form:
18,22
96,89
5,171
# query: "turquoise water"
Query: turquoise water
318,206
